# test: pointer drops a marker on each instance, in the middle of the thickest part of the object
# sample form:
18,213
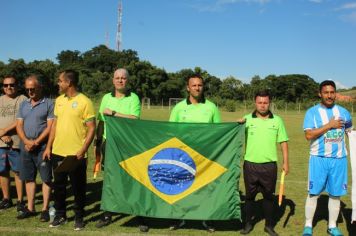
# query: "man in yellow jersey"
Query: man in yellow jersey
195,109
72,132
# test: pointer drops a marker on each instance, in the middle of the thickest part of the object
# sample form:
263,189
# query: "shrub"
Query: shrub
230,106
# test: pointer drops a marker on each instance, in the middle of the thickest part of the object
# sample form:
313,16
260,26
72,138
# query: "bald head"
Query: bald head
120,81
33,79
121,73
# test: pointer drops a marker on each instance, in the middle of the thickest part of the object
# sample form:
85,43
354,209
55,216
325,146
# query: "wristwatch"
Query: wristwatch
113,113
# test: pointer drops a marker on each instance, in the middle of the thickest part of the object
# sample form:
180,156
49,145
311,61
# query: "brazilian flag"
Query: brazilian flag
172,170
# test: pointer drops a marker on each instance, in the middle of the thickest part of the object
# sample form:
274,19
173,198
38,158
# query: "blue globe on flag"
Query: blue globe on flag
171,171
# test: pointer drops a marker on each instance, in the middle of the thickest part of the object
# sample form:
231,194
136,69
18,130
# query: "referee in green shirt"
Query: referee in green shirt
195,109
263,131
120,103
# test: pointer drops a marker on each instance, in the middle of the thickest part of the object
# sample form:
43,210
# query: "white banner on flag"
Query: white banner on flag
352,140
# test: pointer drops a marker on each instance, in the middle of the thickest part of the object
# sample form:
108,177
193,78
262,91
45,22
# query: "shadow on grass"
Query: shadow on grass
287,207
93,212
347,213
322,214
156,223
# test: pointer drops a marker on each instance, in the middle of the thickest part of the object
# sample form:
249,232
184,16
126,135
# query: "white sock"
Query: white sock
310,207
334,209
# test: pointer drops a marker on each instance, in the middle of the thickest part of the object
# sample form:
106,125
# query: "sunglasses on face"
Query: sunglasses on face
8,85
30,90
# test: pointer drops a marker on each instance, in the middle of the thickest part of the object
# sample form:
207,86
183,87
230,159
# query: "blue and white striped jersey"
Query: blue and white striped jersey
331,144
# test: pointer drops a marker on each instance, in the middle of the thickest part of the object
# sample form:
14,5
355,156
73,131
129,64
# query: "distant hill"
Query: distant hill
351,93
346,95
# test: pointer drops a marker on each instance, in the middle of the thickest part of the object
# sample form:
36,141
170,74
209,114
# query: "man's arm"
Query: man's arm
284,146
9,128
29,144
216,117
311,134
88,139
108,111
42,137
173,116
52,134
99,137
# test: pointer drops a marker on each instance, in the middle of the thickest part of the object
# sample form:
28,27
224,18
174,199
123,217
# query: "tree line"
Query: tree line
96,68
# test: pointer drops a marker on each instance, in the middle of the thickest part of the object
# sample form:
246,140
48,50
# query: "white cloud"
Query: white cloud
339,85
350,17
222,2
349,10
220,5
316,1
347,6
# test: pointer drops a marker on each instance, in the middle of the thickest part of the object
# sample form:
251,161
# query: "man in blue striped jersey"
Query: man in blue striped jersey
325,125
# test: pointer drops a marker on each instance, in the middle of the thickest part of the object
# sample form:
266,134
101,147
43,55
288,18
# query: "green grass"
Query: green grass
290,215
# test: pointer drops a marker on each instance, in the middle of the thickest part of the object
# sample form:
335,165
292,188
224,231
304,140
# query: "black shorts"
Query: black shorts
260,178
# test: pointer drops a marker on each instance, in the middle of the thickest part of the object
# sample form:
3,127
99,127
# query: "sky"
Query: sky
240,38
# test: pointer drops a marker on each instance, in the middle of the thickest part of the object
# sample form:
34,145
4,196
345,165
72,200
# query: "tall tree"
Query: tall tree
70,59
232,88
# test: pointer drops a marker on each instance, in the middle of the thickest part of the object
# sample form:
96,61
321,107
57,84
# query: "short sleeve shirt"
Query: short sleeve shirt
35,117
71,115
127,105
332,143
262,136
203,112
8,110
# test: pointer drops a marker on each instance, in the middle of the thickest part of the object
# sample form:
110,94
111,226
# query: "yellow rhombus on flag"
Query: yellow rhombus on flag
205,170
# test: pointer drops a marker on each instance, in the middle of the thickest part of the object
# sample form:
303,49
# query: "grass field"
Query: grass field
290,216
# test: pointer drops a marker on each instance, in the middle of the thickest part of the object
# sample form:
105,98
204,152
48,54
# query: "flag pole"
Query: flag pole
97,164
281,189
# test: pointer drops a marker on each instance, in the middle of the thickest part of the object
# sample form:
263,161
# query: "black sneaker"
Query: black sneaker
20,206
78,223
247,229
44,216
58,221
143,228
177,224
142,225
208,226
270,231
104,220
26,213
5,204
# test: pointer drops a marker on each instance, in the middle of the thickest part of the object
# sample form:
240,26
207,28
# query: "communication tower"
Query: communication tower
119,28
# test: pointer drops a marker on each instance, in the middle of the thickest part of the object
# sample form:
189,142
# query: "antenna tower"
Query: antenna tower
119,28
107,44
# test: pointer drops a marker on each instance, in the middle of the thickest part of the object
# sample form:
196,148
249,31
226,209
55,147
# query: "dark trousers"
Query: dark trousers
260,177
78,180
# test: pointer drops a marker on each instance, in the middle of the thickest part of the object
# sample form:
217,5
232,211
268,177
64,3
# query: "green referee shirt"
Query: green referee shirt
203,112
128,105
262,136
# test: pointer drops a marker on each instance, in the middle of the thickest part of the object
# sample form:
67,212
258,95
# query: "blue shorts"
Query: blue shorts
9,160
328,174
31,162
